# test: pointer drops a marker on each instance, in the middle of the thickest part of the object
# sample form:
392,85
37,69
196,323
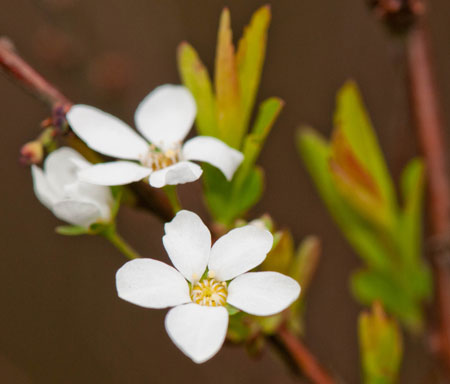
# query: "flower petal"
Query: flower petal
62,166
262,293
214,152
166,115
179,173
238,251
106,133
151,284
77,212
42,188
188,244
198,331
114,173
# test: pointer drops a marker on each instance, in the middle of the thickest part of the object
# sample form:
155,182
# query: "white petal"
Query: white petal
43,190
166,115
151,284
188,244
105,133
179,173
238,251
98,195
61,168
199,331
262,293
114,173
77,212
214,152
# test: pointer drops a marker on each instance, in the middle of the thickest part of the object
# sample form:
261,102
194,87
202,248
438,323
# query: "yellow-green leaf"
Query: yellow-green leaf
381,347
352,118
195,77
250,59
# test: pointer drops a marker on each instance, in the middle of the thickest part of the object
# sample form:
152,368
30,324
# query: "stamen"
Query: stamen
210,292
157,159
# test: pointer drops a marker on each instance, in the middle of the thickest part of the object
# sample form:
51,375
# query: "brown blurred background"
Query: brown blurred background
60,319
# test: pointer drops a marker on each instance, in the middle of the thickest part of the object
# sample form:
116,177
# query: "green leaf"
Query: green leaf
225,203
316,152
381,347
195,77
227,86
232,310
412,188
280,257
250,59
254,141
352,118
369,286
71,230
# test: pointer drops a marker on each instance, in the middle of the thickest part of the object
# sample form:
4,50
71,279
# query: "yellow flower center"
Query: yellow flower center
156,159
210,292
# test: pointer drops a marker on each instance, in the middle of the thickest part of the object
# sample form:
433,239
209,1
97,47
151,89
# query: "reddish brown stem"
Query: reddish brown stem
27,77
430,130
304,358
16,68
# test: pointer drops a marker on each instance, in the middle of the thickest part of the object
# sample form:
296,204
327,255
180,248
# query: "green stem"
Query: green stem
115,239
171,192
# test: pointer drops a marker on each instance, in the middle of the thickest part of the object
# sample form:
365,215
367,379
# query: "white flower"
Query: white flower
219,275
60,190
164,118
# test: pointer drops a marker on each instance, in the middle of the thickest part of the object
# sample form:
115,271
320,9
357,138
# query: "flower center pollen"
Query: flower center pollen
157,159
210,292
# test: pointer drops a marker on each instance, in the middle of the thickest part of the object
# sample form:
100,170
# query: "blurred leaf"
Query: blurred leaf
270,324
227,86
238,329
369,286
412,188
195,77
232,310
380,343
316,153
303,269
250,59
305,263
280,257
71,230
355,183
352,118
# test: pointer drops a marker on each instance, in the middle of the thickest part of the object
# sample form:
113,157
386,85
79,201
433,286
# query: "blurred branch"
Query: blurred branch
308,364
20,71
16,68
430,128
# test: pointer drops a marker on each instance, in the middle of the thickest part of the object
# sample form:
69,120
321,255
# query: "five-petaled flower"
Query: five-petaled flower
58,187
206,279
164,118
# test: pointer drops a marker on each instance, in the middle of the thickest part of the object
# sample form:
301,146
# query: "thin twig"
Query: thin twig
430,128
17,69
308,364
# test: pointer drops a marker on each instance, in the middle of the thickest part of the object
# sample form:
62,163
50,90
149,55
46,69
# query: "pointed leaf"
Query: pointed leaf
195,77
380,343
352,118
227,86
250,59
254,142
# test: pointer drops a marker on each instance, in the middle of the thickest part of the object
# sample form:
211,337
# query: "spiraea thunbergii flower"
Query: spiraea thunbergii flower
58,187
205,280
164,118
